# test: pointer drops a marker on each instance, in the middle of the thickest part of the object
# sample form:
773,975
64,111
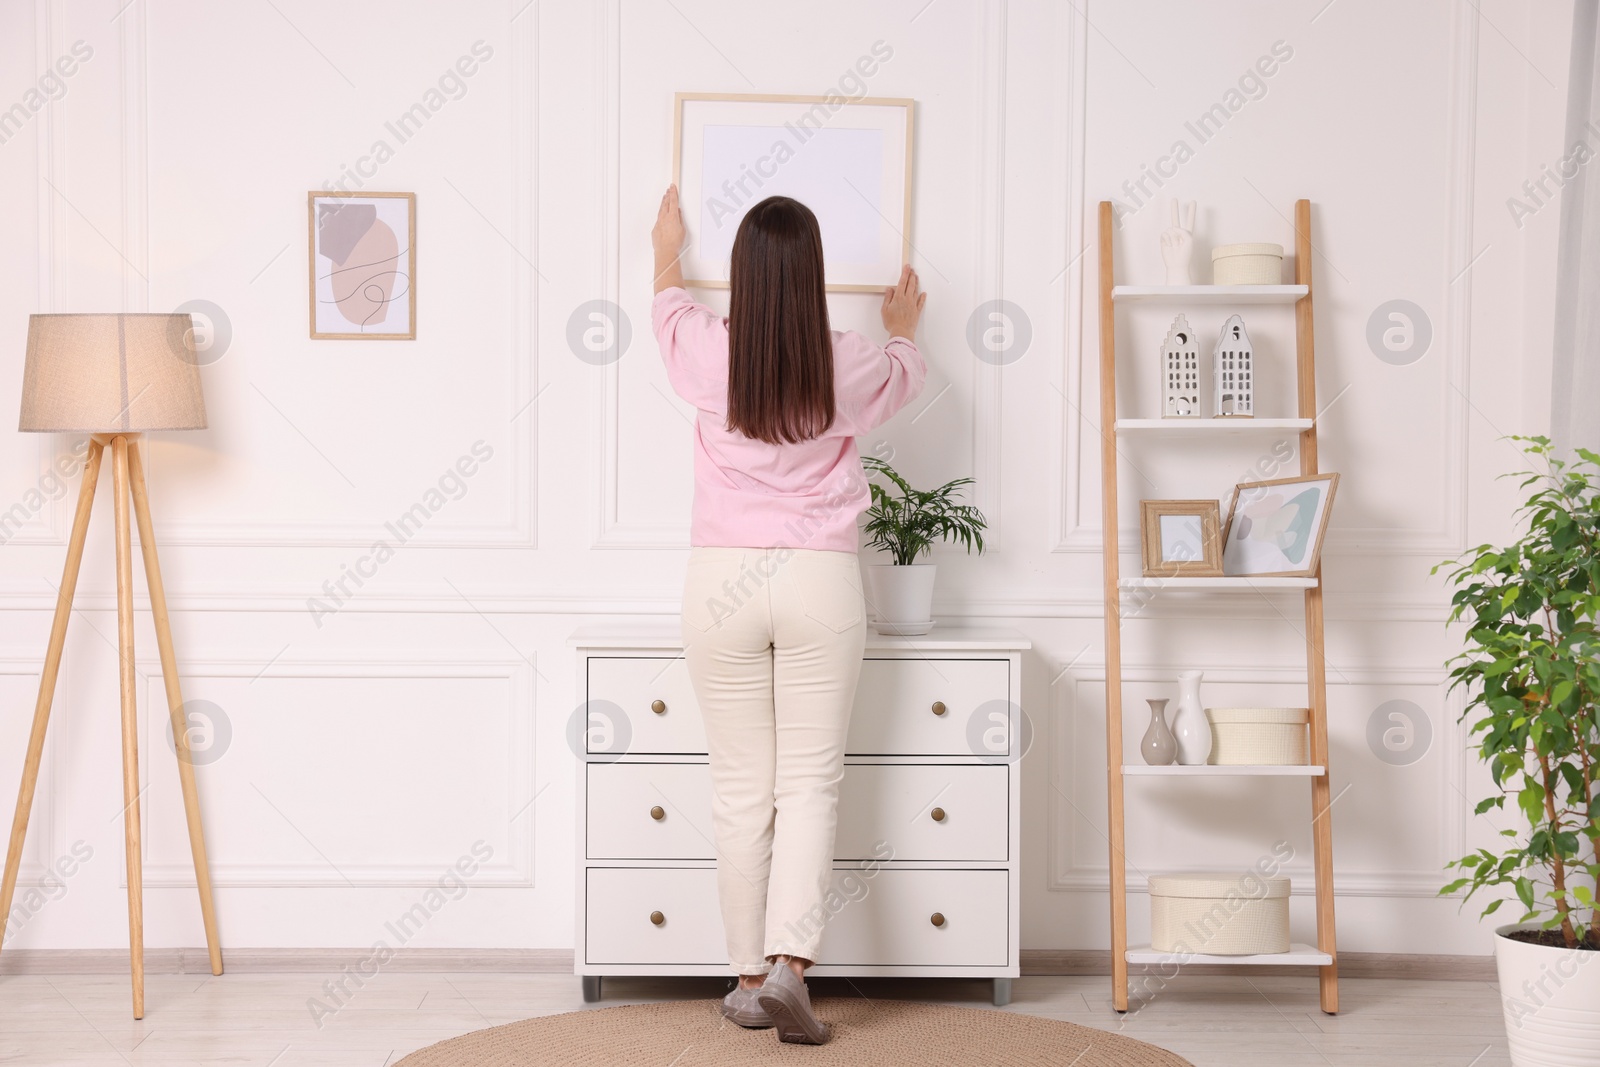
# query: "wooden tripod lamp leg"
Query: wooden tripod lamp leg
47,677
180,727
130,722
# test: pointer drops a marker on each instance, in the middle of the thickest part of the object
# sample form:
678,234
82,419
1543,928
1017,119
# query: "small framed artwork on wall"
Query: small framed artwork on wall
848,160
1275,528
363,253
1181,538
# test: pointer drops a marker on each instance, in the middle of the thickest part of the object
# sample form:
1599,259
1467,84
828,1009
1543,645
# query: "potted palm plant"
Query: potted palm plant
1531,668
905,523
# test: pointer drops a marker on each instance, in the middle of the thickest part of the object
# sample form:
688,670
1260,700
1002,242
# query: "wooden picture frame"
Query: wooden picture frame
361,306
1190,546
866,232
1246,552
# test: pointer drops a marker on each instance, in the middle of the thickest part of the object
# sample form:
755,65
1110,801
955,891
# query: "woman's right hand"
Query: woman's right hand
902,305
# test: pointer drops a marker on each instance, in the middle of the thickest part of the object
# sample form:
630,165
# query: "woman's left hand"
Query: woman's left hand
668,235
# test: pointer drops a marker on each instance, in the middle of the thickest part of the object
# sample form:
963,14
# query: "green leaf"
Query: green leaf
1531,800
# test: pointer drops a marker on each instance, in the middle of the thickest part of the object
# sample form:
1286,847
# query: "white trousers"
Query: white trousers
773,640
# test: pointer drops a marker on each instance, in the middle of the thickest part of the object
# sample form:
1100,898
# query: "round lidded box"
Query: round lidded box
1221,916
1259,736
1247,264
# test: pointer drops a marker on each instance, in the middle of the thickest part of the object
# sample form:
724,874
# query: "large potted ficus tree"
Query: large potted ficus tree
905,523
1531,668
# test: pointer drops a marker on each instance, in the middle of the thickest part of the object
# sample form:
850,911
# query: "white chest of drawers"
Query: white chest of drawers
926,859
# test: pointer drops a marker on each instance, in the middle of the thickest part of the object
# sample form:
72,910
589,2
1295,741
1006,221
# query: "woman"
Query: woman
773,619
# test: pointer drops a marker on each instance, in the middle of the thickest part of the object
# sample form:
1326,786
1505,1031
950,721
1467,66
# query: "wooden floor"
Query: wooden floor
265,1020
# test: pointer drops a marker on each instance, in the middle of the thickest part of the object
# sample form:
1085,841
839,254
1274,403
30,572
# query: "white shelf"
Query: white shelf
1223,584
1297,956
1208,294
1215,427
1235,770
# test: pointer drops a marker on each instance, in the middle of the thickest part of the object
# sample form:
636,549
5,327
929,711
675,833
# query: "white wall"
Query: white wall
373,747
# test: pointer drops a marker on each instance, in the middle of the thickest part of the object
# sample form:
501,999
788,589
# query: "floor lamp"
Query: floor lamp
114,377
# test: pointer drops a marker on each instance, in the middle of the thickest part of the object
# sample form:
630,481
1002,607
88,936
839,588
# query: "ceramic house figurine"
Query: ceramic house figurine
1180,372
1233,372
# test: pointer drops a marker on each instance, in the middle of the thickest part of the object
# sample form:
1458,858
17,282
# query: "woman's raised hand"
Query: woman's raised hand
902,305
667,237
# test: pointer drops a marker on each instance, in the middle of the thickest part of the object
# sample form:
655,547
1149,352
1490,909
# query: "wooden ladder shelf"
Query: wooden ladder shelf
1323,955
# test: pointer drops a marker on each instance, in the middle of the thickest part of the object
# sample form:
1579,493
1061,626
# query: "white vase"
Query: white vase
901,597
1551,998
1189,723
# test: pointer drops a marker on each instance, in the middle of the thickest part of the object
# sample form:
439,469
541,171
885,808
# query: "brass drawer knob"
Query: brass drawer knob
937,918
938,814
658,706
658,918
938,707
658,813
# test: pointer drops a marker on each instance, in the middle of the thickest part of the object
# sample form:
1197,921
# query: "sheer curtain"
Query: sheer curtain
1575,386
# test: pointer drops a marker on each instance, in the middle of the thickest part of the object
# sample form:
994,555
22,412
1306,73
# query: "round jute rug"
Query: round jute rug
693,1033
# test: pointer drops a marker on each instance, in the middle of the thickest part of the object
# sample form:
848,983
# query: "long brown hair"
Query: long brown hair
780,350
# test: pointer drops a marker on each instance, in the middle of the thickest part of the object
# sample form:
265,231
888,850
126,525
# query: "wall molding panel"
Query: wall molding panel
1073,835
1453,342
519,530
42,845
513,752
50,526
611,531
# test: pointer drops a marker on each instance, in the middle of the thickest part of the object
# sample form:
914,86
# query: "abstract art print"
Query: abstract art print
363,249
847,159
1275,528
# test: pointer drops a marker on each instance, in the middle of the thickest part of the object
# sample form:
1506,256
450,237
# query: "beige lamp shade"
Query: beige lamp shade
111,374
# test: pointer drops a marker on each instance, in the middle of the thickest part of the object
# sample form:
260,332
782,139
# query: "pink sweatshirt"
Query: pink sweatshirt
751,494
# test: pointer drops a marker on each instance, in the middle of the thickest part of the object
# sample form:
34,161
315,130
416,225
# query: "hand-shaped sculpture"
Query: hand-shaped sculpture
1177,245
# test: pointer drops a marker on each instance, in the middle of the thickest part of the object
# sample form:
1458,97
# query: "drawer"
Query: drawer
621,806
889,803
888,918
894,711
882,917
895,804
620,901
636,686
925,707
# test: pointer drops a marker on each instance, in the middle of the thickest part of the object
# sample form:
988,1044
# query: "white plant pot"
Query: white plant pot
1551,998
901,598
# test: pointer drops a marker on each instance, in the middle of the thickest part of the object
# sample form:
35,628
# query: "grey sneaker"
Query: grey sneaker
742,1007
785,998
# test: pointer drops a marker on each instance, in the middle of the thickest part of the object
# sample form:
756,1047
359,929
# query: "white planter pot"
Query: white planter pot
1551,998
901,598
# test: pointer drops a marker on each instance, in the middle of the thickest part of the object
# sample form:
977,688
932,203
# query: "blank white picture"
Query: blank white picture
837,173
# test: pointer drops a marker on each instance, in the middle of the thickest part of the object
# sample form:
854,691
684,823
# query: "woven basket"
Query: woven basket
1258,736
1220,916
1248,264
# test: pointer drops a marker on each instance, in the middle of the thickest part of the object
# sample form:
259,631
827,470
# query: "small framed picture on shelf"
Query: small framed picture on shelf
1275,528
1181,538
